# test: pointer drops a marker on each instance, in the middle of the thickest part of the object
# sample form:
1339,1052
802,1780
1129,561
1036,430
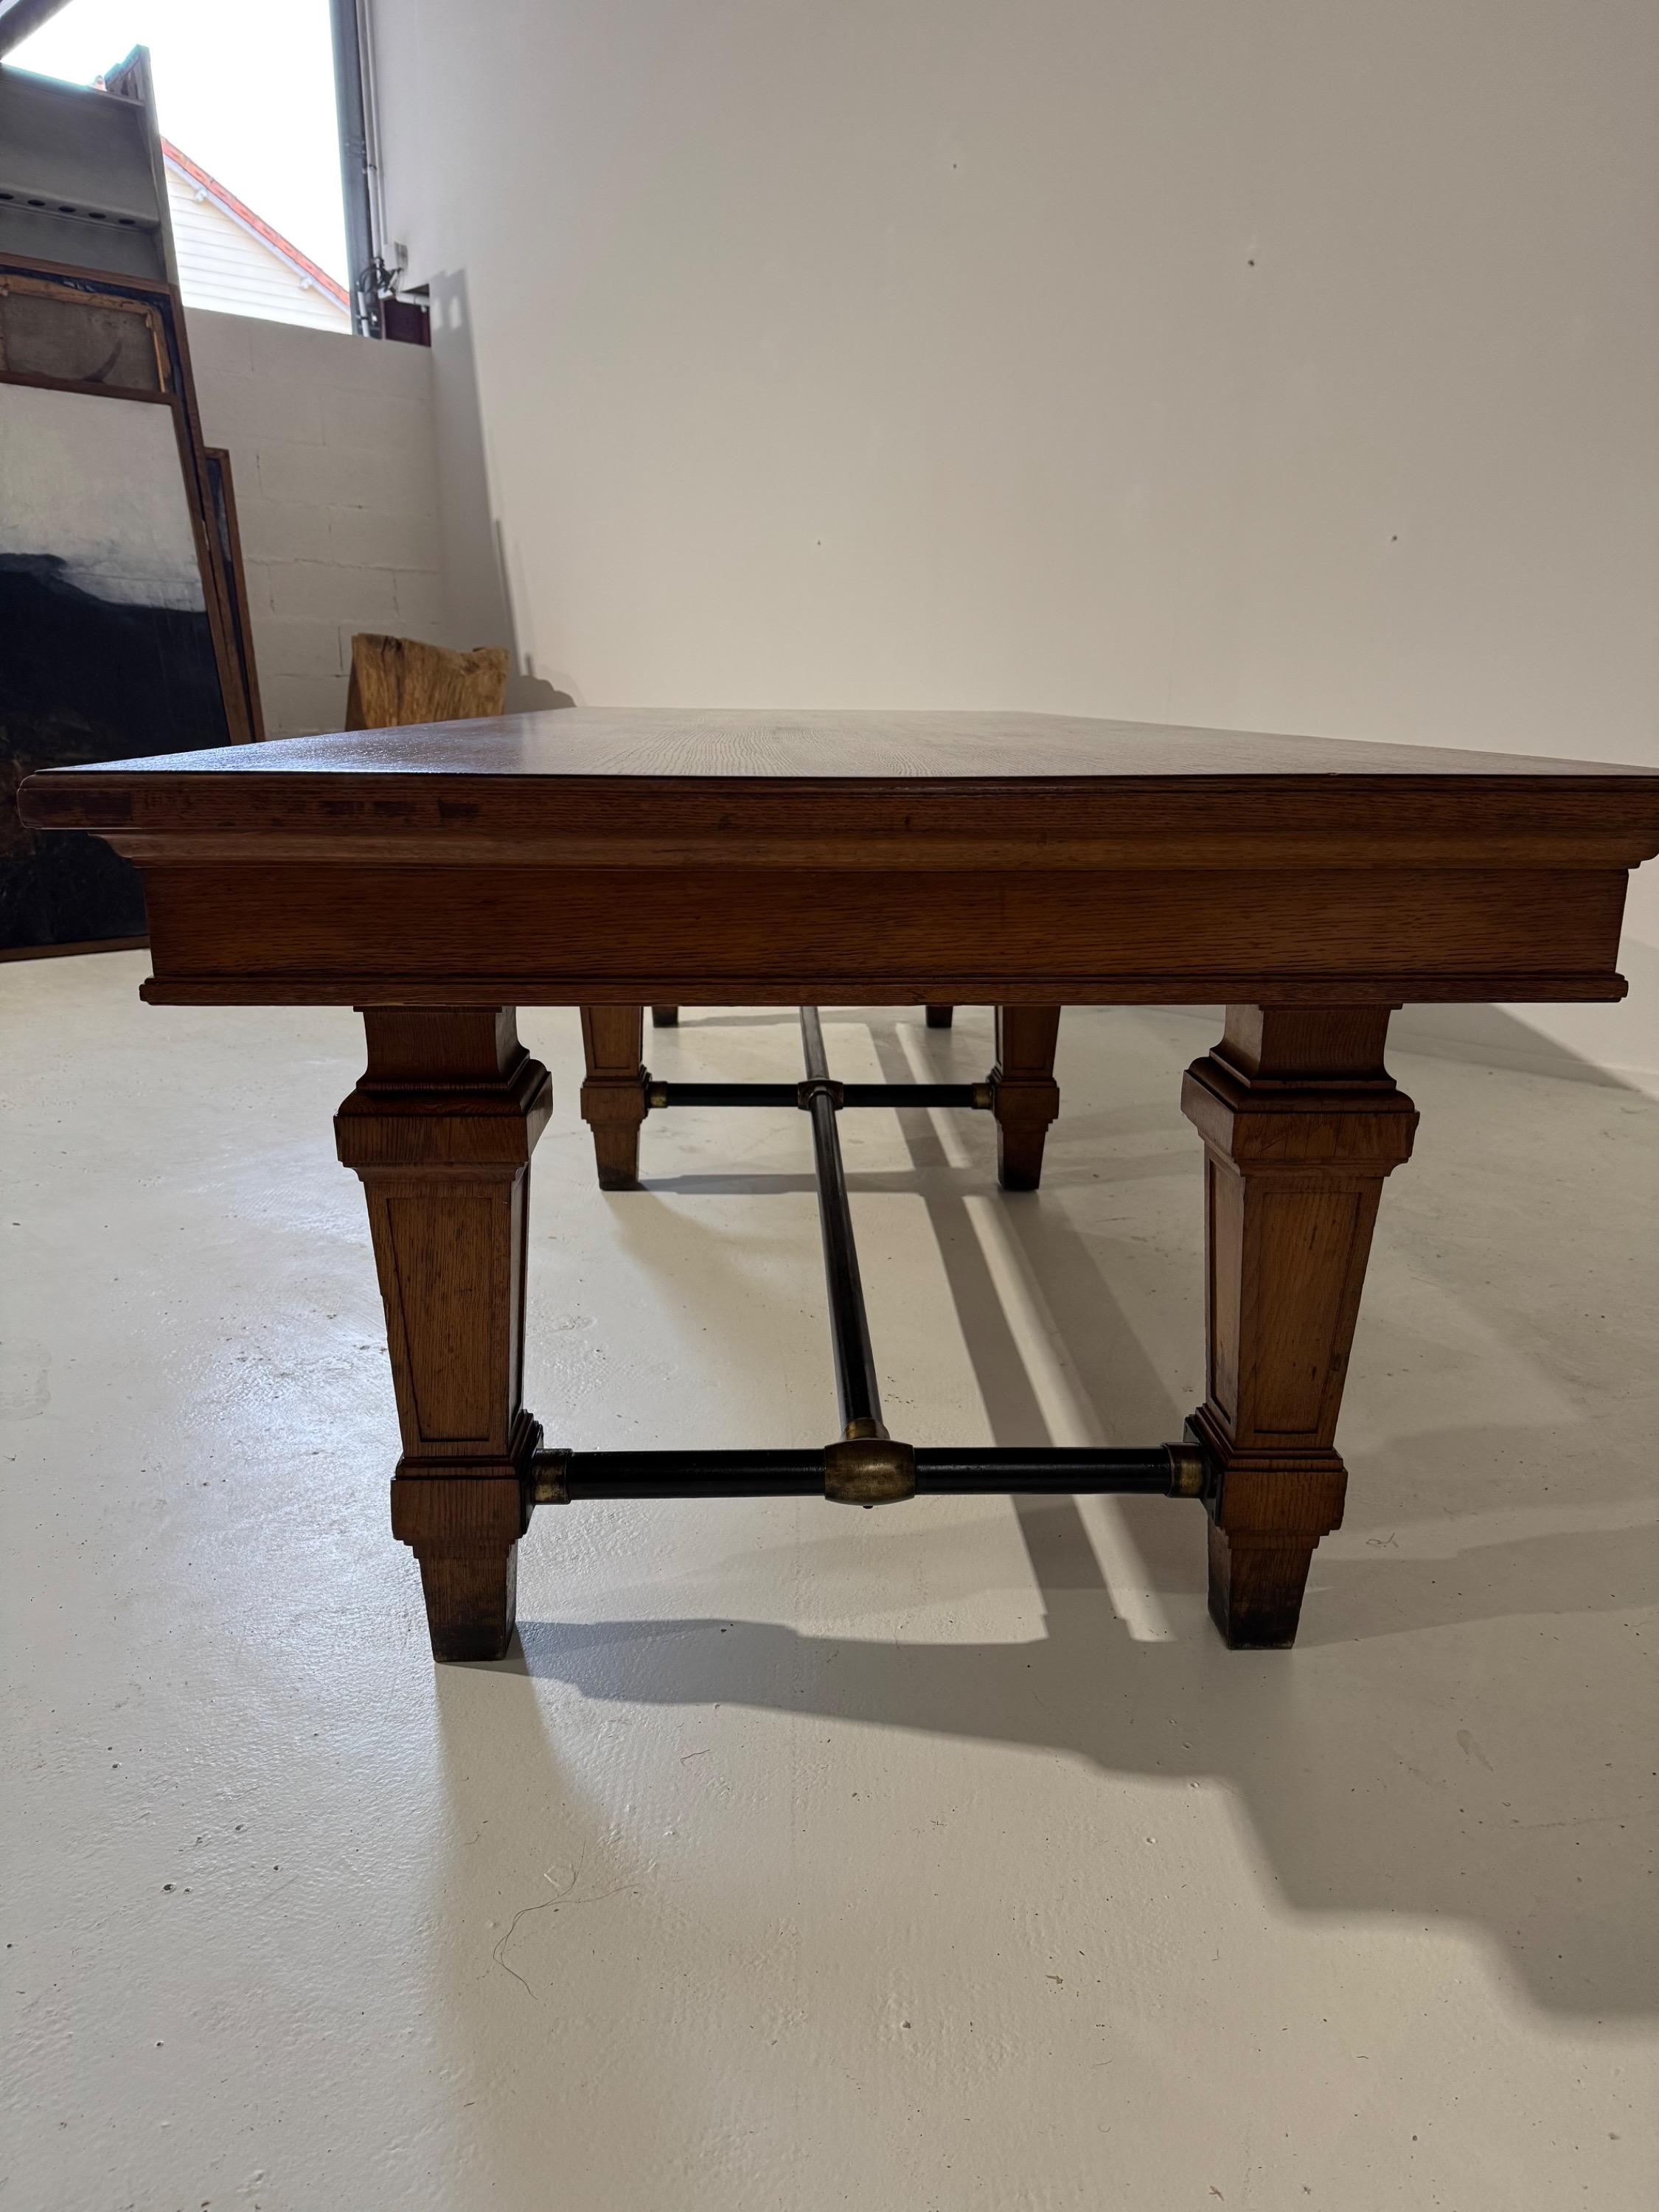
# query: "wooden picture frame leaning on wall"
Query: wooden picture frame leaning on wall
123,610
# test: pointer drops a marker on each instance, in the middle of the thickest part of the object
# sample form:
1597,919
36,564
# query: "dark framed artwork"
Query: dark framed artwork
122,630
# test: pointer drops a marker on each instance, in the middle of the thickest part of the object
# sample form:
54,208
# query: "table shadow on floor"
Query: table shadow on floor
1361,1803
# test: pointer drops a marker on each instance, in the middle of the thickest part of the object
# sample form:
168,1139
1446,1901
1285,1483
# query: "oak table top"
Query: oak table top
549,760
1064,860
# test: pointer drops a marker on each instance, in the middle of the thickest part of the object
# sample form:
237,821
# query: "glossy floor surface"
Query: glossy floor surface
803,1858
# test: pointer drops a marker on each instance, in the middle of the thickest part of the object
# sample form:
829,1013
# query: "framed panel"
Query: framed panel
229,544
123,621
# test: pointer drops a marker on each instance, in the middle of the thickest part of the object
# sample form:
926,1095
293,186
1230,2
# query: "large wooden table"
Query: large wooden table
437,877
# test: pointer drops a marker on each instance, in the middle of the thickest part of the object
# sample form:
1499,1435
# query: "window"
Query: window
245,103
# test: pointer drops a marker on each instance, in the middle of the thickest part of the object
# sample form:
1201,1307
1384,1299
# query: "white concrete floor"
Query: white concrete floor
936,1858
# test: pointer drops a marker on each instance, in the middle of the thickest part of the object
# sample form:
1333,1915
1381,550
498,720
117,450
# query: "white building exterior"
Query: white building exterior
231,259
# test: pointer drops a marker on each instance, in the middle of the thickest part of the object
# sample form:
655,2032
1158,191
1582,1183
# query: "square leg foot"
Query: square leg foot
471,1601
1256,1590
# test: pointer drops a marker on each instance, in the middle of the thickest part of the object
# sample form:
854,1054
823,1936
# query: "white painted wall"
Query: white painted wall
332,446
1265,364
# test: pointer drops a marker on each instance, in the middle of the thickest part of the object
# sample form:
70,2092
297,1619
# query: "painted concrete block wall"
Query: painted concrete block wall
332,457
1285,366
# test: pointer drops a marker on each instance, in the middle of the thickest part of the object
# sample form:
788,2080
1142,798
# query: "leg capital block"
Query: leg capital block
448,1087
1367,1129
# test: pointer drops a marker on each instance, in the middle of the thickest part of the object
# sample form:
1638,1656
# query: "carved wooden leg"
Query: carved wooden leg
440,1129
665,1017
1024,1093
613,1097
1300,1122
940,1017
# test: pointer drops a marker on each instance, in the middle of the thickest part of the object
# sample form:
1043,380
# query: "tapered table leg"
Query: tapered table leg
1025,1095
440,1129
1301,1122
613,1095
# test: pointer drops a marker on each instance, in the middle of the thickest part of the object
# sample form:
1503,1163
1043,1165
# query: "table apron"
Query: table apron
434,934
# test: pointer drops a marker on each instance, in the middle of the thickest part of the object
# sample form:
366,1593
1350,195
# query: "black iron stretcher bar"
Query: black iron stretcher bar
864,1465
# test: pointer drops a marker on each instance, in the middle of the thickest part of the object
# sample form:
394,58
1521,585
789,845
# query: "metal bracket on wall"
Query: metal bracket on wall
864,1466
